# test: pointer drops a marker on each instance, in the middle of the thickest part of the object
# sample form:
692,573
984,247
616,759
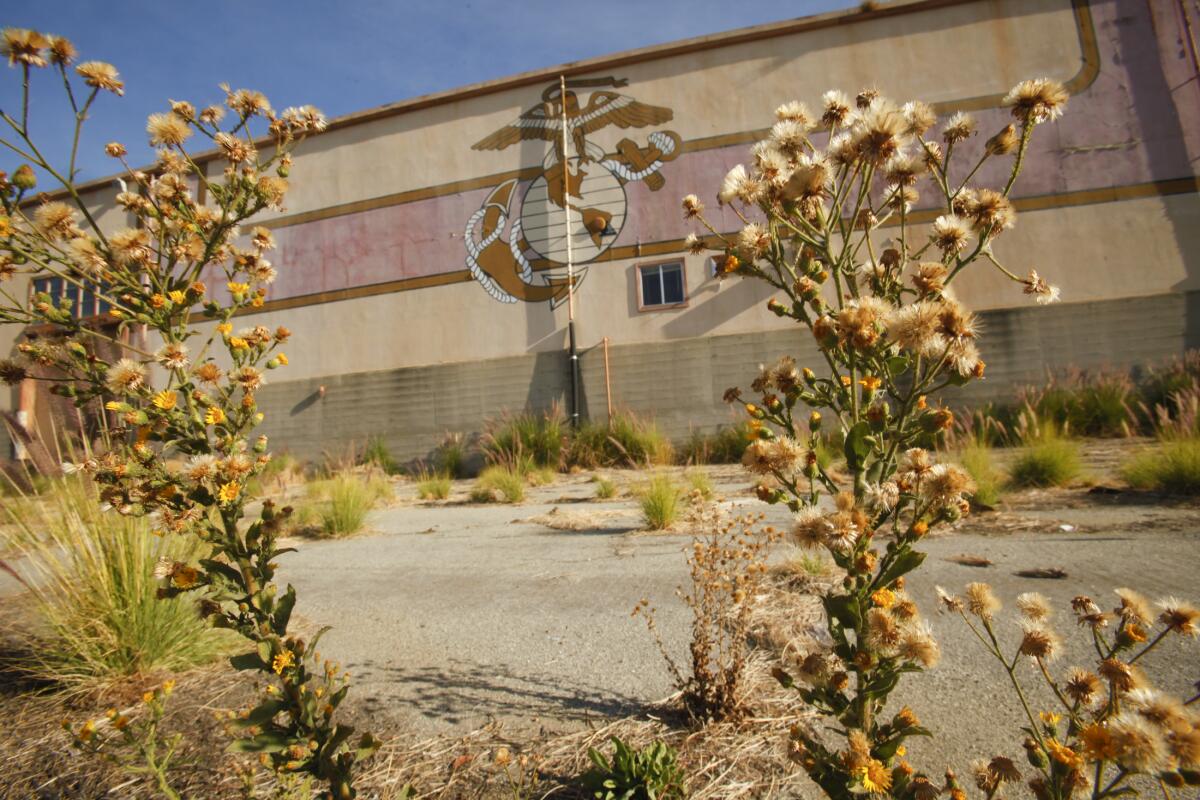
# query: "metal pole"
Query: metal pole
566,165
607,382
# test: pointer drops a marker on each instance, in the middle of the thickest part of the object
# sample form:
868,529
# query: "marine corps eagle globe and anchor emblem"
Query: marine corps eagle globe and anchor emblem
500,253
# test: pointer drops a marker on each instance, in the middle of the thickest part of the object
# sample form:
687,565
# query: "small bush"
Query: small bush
626,440
451,455
605,488
498,484
699,482
377,453
1048,461
976,459
95,592
433,485
1173,468
723,446
659,500
648,774
342,502
805,563
541,437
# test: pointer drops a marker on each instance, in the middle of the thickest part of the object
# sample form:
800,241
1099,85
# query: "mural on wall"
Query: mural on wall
584,178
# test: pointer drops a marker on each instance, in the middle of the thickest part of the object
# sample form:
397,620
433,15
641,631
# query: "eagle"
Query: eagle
545,121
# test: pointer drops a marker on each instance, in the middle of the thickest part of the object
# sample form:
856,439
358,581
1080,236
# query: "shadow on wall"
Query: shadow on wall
1155,103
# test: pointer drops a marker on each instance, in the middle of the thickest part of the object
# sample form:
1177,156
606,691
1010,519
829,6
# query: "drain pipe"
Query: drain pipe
566,164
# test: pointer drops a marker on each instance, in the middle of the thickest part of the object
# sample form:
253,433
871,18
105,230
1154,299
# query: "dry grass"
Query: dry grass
743,759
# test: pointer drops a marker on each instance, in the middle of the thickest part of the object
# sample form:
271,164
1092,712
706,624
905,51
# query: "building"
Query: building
421,256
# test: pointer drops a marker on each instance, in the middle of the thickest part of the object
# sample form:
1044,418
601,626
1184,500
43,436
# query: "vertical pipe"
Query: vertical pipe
566,165
607,382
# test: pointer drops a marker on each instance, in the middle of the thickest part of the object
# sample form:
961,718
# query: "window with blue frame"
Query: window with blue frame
662,285
85,302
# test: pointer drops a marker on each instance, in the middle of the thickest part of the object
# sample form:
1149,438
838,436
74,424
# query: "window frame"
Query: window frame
97,316
638,272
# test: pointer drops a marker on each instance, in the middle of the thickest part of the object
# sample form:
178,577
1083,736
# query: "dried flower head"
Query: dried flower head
1037,100
959,127
101,75
1033,606
1178,616
125,376
981,601
167,129
836,108
23,46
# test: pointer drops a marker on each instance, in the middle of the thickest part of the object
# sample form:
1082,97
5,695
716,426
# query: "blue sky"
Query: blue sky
341,57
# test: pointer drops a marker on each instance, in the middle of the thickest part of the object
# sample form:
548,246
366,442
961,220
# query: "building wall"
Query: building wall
374,258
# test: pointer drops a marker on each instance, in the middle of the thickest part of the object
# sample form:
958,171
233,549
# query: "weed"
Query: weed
626,440
648,774
659,500
433,485
95,592
723,446
699,483
540,437
605,488
1173,467
976,459
498,484
377,453
1049,460
451,455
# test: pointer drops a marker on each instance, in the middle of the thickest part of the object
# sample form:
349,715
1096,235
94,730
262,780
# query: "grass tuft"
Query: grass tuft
342,502
498,484
699,482
1049,460
976,459
94,593
659,500
1172,468
433,485
605,488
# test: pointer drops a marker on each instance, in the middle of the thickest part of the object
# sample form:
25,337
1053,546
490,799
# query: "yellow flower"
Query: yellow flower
147,696
1098,742
184,577
5,225
870,383
168,686
113,405
229,492
282,359
845,380
874,777
257,301
901,751
1049,718
238,343
121,722
177,297
224,328
921,402
115,313
214,416
884,598
1063,754
86,732
282,661
238,288
165,400
157,300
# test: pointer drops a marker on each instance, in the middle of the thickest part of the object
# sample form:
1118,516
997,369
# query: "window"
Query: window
662,285
85,303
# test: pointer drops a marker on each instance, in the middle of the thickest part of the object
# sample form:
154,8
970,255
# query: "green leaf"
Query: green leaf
896,365
247,661
857,446
843,608
263,713
283,611
266,742
903,564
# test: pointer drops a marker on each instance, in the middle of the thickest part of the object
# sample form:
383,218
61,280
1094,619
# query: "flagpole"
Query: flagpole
566,171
